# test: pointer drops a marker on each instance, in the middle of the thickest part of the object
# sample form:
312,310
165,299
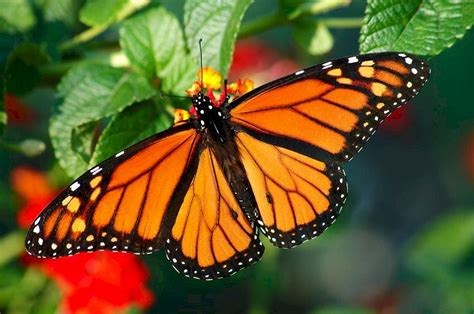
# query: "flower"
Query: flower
398,121
33,188
100,282
469,155
17,111
263,63
211,80
240,87
180,115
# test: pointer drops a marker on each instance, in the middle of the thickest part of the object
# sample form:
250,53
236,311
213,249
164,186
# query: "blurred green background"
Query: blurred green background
404,242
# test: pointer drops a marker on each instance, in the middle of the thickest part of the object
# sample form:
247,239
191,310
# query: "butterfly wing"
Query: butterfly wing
331,109
125,203
298,197
212,237
294,133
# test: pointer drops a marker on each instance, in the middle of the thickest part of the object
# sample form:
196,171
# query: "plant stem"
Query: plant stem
318,7
10,147
94,31
278,19
353,22
262,24
83,37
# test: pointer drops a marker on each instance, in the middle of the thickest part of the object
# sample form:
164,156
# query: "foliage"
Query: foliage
109,63
422,27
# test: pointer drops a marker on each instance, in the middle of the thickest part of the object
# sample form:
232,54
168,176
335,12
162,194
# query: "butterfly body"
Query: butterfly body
270,161
219,136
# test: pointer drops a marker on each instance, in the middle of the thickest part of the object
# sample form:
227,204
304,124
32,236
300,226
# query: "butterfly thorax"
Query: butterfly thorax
210,117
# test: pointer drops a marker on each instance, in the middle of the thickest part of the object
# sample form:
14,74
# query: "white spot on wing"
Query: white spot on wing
96,170
36,229
120,153
352,60
75,186
327,65
299,72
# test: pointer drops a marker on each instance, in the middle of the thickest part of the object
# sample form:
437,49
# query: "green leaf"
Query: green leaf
315,38
22,68
217,24
59,10
16,16
444,244
153,42
101,12
122,131
11,246
424,27
89,93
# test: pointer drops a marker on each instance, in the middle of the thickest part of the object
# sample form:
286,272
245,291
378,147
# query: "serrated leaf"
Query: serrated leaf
135,123
424,27
217,24
315,38
153,41
16,16
89,93
445,243
22,68
101,12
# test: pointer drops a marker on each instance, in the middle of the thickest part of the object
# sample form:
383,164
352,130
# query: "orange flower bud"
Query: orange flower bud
211,78
194,89
181,115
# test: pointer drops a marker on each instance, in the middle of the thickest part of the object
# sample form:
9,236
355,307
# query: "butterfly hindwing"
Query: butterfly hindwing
212,237
121,204
298,197
332,108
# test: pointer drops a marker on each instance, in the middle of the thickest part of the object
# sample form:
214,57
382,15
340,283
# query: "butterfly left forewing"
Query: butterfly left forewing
121,204
212,237
331,109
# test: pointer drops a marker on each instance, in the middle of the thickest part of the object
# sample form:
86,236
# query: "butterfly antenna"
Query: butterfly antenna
200,59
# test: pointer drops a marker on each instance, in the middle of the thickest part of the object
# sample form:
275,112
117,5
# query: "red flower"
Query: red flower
469,155
260,62
398,121
17,111
101,282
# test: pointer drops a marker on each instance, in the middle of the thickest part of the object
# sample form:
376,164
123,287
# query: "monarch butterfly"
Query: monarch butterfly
268,161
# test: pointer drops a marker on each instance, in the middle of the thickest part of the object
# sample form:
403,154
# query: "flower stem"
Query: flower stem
353,22
278,19
262,24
